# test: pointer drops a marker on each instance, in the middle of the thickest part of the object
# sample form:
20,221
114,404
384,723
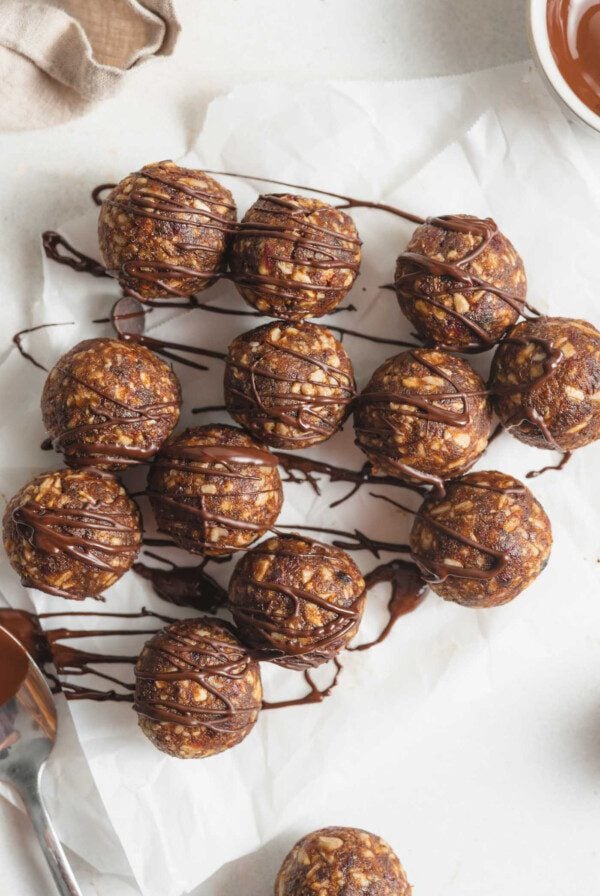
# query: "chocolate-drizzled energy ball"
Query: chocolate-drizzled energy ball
298,600
197,691
484,542
110,404
295,257
460,282
342,862
290,384
163,231
546,382
214,490
72,533
424,417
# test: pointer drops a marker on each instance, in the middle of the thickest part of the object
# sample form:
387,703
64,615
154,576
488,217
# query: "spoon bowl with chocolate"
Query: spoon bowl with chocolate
28,729
565,40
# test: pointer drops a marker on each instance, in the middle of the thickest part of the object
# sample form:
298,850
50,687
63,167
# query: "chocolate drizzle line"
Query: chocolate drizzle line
408,589
301,469
52,241
349,201
97,192
18,340
91,453
184,586
559,466
314,694
59,531
553,357
408,285
46,649
224,660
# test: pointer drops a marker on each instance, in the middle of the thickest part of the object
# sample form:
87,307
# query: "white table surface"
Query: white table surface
45,176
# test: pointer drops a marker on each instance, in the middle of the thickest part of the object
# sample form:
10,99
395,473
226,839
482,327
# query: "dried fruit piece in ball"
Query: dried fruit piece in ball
424,417
214,490
164,230
483,543
340,861
197,690
545,380
460,282
110,404
297,600
72,533
290,384
295,257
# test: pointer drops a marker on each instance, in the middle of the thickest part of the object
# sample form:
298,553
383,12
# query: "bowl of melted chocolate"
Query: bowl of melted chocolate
565,39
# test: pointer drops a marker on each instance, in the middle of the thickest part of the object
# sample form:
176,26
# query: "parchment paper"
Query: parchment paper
469,738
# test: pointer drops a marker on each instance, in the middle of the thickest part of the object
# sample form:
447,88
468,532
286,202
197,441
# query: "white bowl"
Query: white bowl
540,44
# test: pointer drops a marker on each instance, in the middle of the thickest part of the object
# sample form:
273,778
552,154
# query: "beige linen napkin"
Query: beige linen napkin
59,56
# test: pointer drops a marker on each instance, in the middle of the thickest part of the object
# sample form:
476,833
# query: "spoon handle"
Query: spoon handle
31,795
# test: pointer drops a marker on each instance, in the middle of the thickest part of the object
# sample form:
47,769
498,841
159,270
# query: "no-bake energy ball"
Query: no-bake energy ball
546,382
295,257
460,282
340,861
424,417
110,404
297,600
214,490
484,542
164,230
72,533
290,384
197,691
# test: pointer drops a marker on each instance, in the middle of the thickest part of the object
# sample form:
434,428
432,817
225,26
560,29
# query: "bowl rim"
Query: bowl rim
540,42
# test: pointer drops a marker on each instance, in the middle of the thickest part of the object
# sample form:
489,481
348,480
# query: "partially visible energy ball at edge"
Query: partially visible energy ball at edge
341,861
545,382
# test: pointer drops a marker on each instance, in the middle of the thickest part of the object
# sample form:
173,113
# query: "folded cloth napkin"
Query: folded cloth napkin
59,56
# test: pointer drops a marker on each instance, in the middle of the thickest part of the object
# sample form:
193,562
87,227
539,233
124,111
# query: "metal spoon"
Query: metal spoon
27,733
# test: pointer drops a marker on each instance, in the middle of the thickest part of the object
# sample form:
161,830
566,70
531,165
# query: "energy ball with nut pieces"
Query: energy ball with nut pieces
164,230
214,490
545,380
110,404
460,282
72,533
197,690
296,600
484,542
424,417
339,861
290,384
295,257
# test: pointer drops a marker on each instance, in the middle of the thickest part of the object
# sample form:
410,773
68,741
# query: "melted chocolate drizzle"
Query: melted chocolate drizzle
301,469
184,586
18,340
73,258
408,589
314,694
